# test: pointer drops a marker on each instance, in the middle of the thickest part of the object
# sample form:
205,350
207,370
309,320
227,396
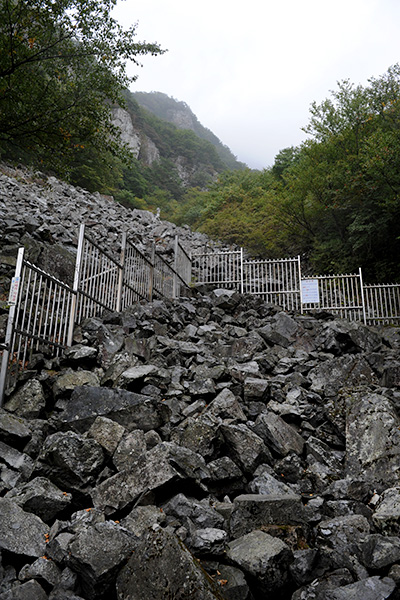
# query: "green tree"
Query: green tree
62,66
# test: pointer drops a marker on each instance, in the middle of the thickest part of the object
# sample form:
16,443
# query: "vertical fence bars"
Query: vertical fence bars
382,304
219,268
276,281
40,307
340,294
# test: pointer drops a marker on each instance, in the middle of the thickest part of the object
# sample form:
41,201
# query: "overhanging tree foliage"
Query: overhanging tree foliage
62,66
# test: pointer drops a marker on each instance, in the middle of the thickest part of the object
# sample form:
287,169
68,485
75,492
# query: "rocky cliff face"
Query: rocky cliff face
211,447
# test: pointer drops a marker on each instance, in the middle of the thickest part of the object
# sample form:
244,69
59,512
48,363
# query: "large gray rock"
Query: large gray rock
254,511
96,553
149,472
162,567
20,531
31,590
126,408
386,518
71,460
345,371
200,513
371,588
373,440
28,401
41,497
263,557
246,447
281,437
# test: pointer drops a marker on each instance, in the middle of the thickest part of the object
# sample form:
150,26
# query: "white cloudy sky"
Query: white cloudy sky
249,70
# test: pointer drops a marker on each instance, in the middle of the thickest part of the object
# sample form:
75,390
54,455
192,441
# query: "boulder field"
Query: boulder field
212,447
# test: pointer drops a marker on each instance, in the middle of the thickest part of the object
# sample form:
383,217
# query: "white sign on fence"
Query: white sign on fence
309,291
12,299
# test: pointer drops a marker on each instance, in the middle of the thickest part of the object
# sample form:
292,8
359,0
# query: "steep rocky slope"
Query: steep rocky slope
211,447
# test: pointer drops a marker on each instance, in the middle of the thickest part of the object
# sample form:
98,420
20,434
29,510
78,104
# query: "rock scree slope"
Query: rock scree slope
201,448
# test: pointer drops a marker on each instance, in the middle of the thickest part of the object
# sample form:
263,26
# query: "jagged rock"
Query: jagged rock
107,433
208,541
40,497
143,518
387,515
21,532
96,553
26,591
200,513
168,570
372,439
263,557
126,408
302,567
130,447
379,551
149,472
71,460
27,402
340,372
265,484
247,448
13,428
324,585
370,588
41,569
254,511
68,381
281,437
20,465
226,406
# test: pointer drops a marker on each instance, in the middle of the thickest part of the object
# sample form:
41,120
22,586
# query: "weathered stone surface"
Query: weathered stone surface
42,569
28,402
150,471
68,381
379,551
40,497
201,514
373,439
247,448
126,408
253,511
130,447
387,515
107,433
71,460
168,571
26,591
264,557
281,437
370,588
20,531
96,554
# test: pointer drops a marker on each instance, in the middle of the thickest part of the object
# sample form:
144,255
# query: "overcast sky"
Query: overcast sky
249,70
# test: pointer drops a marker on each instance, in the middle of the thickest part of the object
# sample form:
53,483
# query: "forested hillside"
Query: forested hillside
334,198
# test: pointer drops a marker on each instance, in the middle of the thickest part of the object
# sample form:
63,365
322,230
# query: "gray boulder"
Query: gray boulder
162,567
263,557
40,497
20,531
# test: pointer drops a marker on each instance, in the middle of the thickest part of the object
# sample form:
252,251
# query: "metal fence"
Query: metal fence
38,323
276,281
280,281
219,268
340,294
382,304
43,310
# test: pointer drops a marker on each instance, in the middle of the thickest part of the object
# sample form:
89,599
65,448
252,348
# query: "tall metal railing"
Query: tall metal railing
340,294
382,304
276,281
219,268
44,311
40,308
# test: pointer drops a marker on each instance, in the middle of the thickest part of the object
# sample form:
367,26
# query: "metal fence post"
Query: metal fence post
13,300
176,266
241,271
151,274
300,290
74,300
121,273
362,297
